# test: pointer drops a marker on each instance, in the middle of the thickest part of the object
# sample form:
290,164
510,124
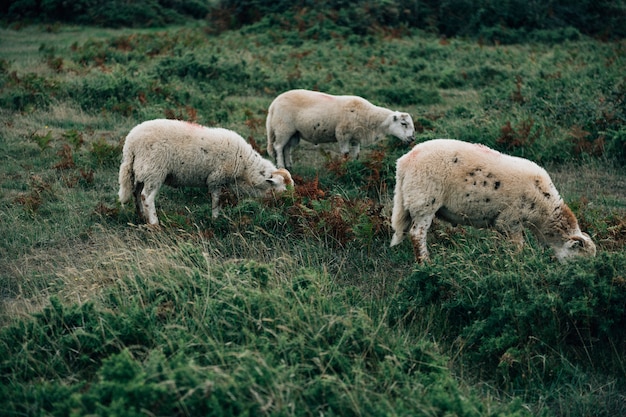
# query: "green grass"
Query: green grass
297,306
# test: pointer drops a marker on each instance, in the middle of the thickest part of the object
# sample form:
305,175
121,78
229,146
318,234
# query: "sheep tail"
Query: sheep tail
400,217
126,178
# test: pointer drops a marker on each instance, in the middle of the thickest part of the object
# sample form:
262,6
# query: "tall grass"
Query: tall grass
297,305
171,328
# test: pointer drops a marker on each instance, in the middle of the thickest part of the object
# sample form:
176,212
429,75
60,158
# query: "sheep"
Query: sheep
471,184
322,118
181,153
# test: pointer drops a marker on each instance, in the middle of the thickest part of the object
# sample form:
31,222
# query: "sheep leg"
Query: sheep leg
349,149
282,149
148,195
293,142
517,237
280,157
215,202
344,148
138,204
355,149
418,233
514,233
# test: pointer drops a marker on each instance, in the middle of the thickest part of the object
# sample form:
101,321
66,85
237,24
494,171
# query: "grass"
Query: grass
297,306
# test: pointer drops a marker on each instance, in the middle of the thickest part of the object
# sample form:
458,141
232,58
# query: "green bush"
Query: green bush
115,92
27,92
210,70
509,22
105,154
111,13
529,325
409,96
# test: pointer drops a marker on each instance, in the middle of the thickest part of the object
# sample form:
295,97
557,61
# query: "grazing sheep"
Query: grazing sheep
471,184
322,118
180,153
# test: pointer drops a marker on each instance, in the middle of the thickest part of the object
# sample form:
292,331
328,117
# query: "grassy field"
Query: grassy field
297,306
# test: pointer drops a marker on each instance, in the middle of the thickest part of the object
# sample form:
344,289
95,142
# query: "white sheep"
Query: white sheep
323,118
180,153
471,184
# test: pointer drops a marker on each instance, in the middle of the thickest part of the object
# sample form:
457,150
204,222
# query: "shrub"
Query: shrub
27,92
111,13
615,145
43,141
525,323
495,21
211,69
105,154
510,22
408,96
116,92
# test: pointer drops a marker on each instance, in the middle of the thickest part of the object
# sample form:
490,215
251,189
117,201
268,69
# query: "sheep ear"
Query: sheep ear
284,174
275,180
577,242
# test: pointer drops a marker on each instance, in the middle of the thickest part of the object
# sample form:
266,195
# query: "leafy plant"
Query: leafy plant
523,136
105,154
28,92
67,158
74,137
43,141
39,190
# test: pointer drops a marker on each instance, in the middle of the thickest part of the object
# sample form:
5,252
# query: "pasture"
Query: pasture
297,305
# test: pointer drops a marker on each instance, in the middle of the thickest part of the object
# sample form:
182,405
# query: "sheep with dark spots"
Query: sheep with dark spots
471,184
178,153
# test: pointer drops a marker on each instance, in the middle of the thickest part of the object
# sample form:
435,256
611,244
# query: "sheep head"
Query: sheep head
401,126
574,246
280,180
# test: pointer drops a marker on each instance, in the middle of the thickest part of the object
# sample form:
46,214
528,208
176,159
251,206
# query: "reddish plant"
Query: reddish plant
67,158
187,113
253,123
520,137
34,199
584,144
255,145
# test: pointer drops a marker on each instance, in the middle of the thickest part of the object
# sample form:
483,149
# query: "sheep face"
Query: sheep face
401,126
279,181
579,245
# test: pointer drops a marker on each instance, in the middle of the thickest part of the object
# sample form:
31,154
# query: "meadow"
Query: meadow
297,306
